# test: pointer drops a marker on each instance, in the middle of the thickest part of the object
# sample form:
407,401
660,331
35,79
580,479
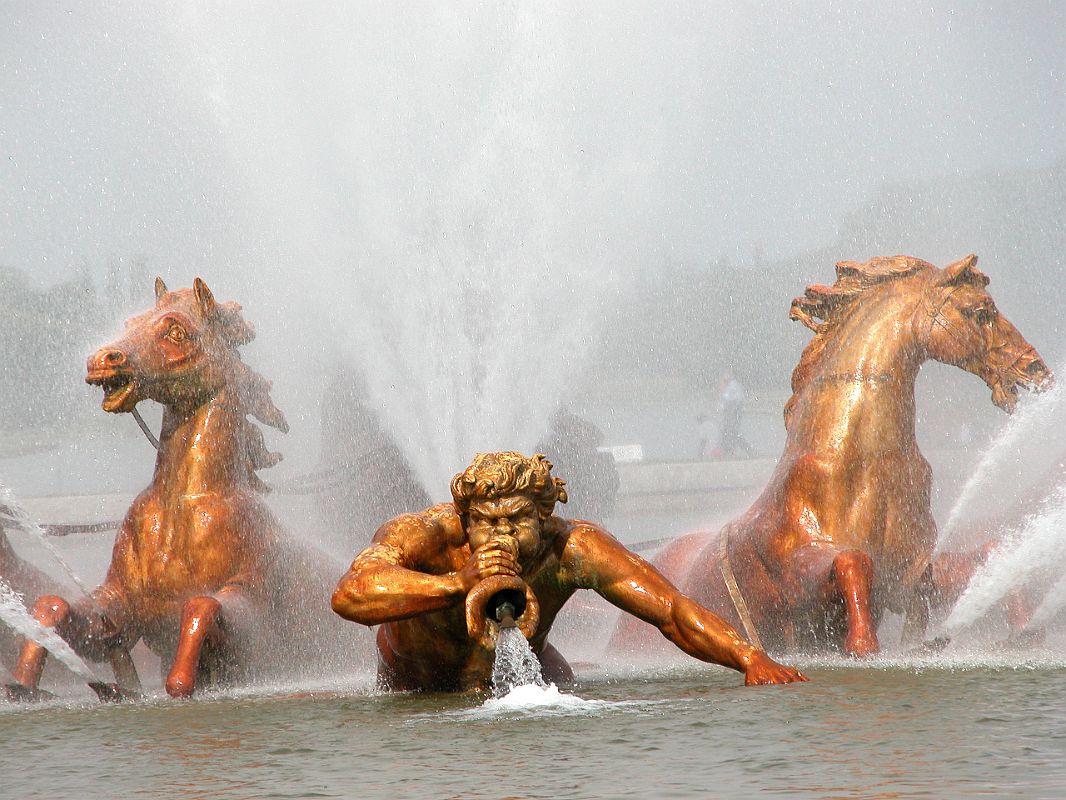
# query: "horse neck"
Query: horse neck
200,449
862,392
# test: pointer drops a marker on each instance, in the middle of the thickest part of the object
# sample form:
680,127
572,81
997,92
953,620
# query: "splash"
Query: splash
1031,558
516,664
542,699
14,614
1018,458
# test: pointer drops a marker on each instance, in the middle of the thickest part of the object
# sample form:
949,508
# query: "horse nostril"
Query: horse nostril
114,358
1036,368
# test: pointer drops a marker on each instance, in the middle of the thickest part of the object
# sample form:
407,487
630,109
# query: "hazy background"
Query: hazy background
491,208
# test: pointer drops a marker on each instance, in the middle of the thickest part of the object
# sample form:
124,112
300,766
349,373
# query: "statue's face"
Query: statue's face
514,515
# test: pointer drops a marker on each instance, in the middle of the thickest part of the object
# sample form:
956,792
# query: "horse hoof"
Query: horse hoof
18,693
112,693
180,689
1024,639
862,648
936,645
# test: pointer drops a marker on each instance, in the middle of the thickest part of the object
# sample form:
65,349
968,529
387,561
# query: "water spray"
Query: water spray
19,517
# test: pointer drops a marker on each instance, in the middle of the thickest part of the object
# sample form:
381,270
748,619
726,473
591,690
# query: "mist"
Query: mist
489,210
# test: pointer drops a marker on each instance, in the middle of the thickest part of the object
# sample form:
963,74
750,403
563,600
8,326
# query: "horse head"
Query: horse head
179,353
964,328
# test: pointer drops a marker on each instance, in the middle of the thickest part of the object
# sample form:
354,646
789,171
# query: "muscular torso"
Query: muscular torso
434,650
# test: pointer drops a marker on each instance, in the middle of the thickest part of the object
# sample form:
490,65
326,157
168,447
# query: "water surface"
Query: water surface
889,731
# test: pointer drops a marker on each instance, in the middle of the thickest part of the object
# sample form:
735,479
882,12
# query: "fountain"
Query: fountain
16,515
461,206
515,665
14,615
1024,564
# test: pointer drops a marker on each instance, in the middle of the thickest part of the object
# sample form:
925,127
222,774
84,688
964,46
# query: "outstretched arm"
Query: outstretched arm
386,581
595,560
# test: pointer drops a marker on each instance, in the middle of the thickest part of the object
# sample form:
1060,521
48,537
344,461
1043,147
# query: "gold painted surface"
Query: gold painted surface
415,577
843,531
191,568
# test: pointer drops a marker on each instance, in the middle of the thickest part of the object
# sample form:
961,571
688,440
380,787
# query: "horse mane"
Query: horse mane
248,391
823,308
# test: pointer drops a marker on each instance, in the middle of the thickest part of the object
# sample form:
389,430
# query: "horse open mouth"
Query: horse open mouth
120,391
1031,374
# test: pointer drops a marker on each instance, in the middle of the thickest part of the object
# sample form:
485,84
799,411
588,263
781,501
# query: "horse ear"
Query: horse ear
160,289
963,271
204,298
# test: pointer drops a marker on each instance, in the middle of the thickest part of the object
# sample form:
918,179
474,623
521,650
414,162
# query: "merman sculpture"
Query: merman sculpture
194,567
843,532
440,582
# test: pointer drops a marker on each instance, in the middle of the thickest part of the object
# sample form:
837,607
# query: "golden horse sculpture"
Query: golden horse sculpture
843,531
193,567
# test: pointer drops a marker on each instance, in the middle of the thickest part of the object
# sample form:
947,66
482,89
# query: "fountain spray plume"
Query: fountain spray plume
20,518
491,222
14,614
1030,559
1018,458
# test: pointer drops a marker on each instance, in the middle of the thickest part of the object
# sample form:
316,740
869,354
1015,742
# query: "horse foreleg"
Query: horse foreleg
200,617
52,612
951,573
832,577
852,577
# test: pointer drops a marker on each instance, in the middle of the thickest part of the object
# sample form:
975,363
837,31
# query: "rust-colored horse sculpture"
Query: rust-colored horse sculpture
193,567
844,532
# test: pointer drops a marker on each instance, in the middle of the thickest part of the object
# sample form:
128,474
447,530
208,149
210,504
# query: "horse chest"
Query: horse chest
172,556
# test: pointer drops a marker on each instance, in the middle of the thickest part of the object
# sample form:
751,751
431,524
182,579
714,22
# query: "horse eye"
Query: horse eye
176,333
985,316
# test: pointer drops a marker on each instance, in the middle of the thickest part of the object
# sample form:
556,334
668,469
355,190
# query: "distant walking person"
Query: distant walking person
730,415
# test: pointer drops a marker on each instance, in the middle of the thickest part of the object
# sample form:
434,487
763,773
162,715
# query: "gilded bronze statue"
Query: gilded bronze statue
429,581
192,571
843,532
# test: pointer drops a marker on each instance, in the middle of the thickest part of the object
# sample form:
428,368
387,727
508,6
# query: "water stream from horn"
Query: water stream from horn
515,664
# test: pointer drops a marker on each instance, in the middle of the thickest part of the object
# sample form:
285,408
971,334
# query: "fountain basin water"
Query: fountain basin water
857,731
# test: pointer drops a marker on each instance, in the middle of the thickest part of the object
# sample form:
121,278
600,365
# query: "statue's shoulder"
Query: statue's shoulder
441,520
577,525
428,520
572,531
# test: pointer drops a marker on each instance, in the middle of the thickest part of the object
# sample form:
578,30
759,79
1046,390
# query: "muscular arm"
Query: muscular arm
383,584
595,560
408,569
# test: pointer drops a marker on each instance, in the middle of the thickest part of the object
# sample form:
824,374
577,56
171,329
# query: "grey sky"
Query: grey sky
705,128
